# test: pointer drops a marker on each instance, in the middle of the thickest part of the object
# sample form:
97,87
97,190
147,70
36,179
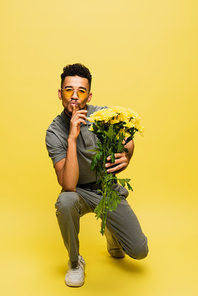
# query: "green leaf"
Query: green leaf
110,133
129,187
99,131
93,163
122,182
120,145
94,150
115,199
127,180
126,150
112,157
98,209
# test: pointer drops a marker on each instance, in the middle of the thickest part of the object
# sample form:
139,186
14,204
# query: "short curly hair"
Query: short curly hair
76,70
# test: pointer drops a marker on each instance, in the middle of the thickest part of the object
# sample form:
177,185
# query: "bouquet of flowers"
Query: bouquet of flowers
114,128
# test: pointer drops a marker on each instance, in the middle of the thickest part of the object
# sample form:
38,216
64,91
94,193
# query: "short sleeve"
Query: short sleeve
55,147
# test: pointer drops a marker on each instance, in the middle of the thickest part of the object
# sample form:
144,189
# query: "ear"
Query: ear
89,97
60,94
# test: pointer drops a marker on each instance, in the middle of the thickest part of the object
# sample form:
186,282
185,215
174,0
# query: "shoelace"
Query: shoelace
74,265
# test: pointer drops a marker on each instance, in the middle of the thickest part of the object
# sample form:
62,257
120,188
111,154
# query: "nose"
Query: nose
75,96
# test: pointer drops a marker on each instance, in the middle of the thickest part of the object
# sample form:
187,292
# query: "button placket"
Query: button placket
88,141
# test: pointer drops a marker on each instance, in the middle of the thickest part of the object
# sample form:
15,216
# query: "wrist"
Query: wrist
71,139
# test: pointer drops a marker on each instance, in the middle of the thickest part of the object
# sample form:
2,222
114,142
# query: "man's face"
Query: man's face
76,83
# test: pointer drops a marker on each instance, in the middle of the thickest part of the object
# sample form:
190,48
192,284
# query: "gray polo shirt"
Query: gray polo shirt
56,142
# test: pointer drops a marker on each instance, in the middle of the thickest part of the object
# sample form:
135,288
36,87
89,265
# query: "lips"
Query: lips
73,103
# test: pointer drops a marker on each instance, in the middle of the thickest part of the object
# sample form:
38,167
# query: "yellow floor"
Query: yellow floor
34,261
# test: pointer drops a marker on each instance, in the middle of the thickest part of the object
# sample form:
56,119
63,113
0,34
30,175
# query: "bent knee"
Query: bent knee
67,201
139,252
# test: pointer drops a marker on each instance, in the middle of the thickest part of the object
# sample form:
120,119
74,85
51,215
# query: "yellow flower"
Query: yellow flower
127,135
124,132
102,115
114,120
121,131
141,130
129,124
122,117
91,128
118,114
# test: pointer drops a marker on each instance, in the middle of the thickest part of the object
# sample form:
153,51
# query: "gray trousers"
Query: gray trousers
122,222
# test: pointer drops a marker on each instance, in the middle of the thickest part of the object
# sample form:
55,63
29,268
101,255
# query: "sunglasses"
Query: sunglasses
81,93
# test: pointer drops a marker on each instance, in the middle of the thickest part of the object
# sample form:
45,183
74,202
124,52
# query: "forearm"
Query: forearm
130,147
67,169
69,175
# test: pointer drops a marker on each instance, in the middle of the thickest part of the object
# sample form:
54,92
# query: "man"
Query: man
69,142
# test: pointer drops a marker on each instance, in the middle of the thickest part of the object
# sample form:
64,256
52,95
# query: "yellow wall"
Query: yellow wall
142,55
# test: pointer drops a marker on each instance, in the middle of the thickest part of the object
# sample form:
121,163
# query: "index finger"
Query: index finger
73,109
120,154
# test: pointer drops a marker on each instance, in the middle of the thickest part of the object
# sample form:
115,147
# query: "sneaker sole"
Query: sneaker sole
72,284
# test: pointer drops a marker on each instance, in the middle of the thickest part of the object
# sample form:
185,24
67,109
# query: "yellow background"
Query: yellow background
142,55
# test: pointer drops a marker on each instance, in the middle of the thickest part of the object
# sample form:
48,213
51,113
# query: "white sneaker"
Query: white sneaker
75,273
113,246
